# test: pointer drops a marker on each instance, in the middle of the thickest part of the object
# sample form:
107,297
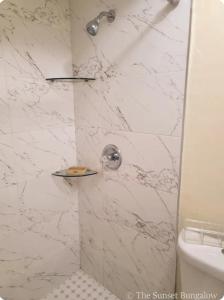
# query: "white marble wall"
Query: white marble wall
128,217
39,214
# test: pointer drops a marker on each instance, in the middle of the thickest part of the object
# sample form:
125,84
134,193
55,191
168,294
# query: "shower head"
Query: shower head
93,26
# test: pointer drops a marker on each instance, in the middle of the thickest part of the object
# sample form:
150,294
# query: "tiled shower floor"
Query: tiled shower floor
81,287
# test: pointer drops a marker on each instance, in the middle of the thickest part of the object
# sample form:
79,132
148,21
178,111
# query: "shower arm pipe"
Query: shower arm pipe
103,14
109,14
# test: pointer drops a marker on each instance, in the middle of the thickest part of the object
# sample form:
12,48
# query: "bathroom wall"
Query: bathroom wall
128,217
39,221
202,188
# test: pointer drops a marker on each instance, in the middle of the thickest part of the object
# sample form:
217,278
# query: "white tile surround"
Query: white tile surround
128,218
39,234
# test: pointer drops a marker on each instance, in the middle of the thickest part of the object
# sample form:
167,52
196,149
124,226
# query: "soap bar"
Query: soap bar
76,170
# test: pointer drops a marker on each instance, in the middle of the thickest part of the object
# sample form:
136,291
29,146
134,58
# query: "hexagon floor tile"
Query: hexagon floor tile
81,287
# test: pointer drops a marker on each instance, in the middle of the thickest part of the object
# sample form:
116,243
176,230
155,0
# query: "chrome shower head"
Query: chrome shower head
93,26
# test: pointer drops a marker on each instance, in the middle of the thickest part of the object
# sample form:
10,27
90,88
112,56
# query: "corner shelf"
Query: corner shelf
86,79
63,173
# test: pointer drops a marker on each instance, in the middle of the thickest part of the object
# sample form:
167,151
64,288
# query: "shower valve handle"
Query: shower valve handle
111,157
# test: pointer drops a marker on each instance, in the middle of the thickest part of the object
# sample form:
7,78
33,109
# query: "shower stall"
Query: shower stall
116,80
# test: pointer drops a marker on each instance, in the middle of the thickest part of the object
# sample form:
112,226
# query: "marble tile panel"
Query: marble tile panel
136,101
147,159
147,266
36,105
5,115
39,226
91,218
7,161
43,152
35,37
139,238
132,212
39,237
2,64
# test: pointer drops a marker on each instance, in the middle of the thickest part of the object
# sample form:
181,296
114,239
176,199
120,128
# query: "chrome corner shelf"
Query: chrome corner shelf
63,173
86,79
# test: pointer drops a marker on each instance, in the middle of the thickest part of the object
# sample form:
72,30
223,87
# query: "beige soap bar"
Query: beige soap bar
76,170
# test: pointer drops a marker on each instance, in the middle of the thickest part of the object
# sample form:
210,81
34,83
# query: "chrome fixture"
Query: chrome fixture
174,2
93,26
111,157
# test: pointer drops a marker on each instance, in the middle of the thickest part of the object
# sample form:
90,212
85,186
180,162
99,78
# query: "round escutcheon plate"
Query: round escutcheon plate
111,157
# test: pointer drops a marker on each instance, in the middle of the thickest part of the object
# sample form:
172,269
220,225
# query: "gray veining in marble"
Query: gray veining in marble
128,217
39,233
